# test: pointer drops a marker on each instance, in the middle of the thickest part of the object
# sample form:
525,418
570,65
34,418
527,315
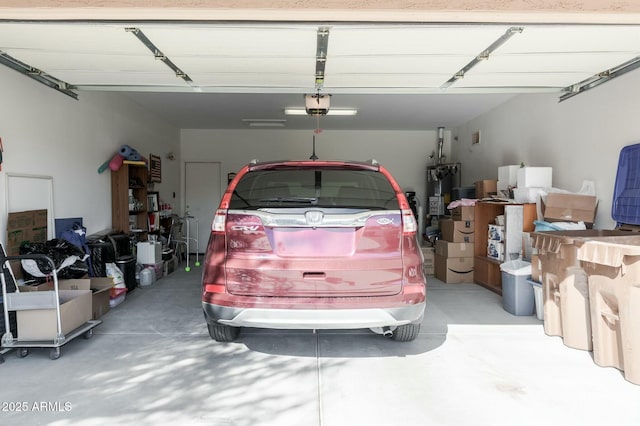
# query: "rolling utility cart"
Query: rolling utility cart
44,305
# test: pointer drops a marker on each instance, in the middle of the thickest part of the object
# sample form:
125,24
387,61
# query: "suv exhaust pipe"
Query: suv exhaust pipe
387,332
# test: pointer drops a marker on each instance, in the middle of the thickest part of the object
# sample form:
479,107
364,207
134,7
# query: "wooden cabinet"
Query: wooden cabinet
518,218
129,200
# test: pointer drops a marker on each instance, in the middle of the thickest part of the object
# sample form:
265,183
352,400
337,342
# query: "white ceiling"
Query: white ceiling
393,73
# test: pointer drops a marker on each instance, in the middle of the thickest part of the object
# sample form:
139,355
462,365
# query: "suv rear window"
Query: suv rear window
314,186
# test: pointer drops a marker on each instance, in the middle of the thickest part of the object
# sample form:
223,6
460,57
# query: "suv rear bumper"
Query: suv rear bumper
313,318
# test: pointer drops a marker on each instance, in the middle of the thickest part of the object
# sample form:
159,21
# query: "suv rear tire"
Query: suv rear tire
223,333
406,332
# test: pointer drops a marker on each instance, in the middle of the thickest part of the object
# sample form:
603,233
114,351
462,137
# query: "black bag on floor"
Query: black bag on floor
67,258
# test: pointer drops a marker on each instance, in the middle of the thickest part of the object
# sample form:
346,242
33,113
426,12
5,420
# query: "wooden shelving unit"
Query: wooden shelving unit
518,218
153,207
129,177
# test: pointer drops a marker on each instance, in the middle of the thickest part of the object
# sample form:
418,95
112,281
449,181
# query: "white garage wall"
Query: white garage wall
47,133
405,154
580,138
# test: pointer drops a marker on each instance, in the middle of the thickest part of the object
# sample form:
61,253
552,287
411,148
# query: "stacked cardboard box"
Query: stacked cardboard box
561,207
454,252
25,226
486,188
460,228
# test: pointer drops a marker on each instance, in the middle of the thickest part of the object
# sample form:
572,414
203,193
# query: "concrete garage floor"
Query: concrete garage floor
152,362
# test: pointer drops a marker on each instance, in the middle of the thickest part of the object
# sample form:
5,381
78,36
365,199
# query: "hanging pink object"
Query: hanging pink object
116,162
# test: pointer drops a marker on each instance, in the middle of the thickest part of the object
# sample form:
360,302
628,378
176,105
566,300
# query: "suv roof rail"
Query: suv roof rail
253,162
373,162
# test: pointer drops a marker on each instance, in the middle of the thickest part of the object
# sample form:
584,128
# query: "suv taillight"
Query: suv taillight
219,221
409,224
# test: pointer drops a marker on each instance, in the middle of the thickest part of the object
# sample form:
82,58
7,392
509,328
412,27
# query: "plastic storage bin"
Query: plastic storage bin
613,268
564,284
517,293
117,296
625,208
537,296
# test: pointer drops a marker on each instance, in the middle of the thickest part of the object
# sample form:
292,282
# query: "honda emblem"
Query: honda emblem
314,217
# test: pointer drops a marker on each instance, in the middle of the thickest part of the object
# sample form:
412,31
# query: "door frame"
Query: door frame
183,197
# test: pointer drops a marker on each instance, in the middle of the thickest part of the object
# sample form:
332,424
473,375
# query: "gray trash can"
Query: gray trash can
517,293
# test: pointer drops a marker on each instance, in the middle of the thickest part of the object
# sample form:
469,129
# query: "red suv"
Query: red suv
314,245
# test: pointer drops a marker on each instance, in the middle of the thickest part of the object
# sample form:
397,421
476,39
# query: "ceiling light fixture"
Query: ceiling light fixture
264,122
334,111
482,56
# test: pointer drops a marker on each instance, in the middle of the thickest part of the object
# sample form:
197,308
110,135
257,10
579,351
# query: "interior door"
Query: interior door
202,196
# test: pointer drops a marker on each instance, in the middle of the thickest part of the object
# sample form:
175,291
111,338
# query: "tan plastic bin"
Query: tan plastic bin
565,289
613,270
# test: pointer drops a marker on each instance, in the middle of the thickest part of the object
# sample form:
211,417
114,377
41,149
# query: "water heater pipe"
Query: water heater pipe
440,143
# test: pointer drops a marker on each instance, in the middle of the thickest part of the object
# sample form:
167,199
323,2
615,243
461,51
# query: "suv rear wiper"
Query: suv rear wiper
304,200
241,198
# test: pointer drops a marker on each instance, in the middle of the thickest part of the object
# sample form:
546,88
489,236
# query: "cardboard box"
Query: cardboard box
449,249
538,177
100,288
454,270
429,254
495,250
25,226
486,188
42,324
457,231
463,213
570,208
495,232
